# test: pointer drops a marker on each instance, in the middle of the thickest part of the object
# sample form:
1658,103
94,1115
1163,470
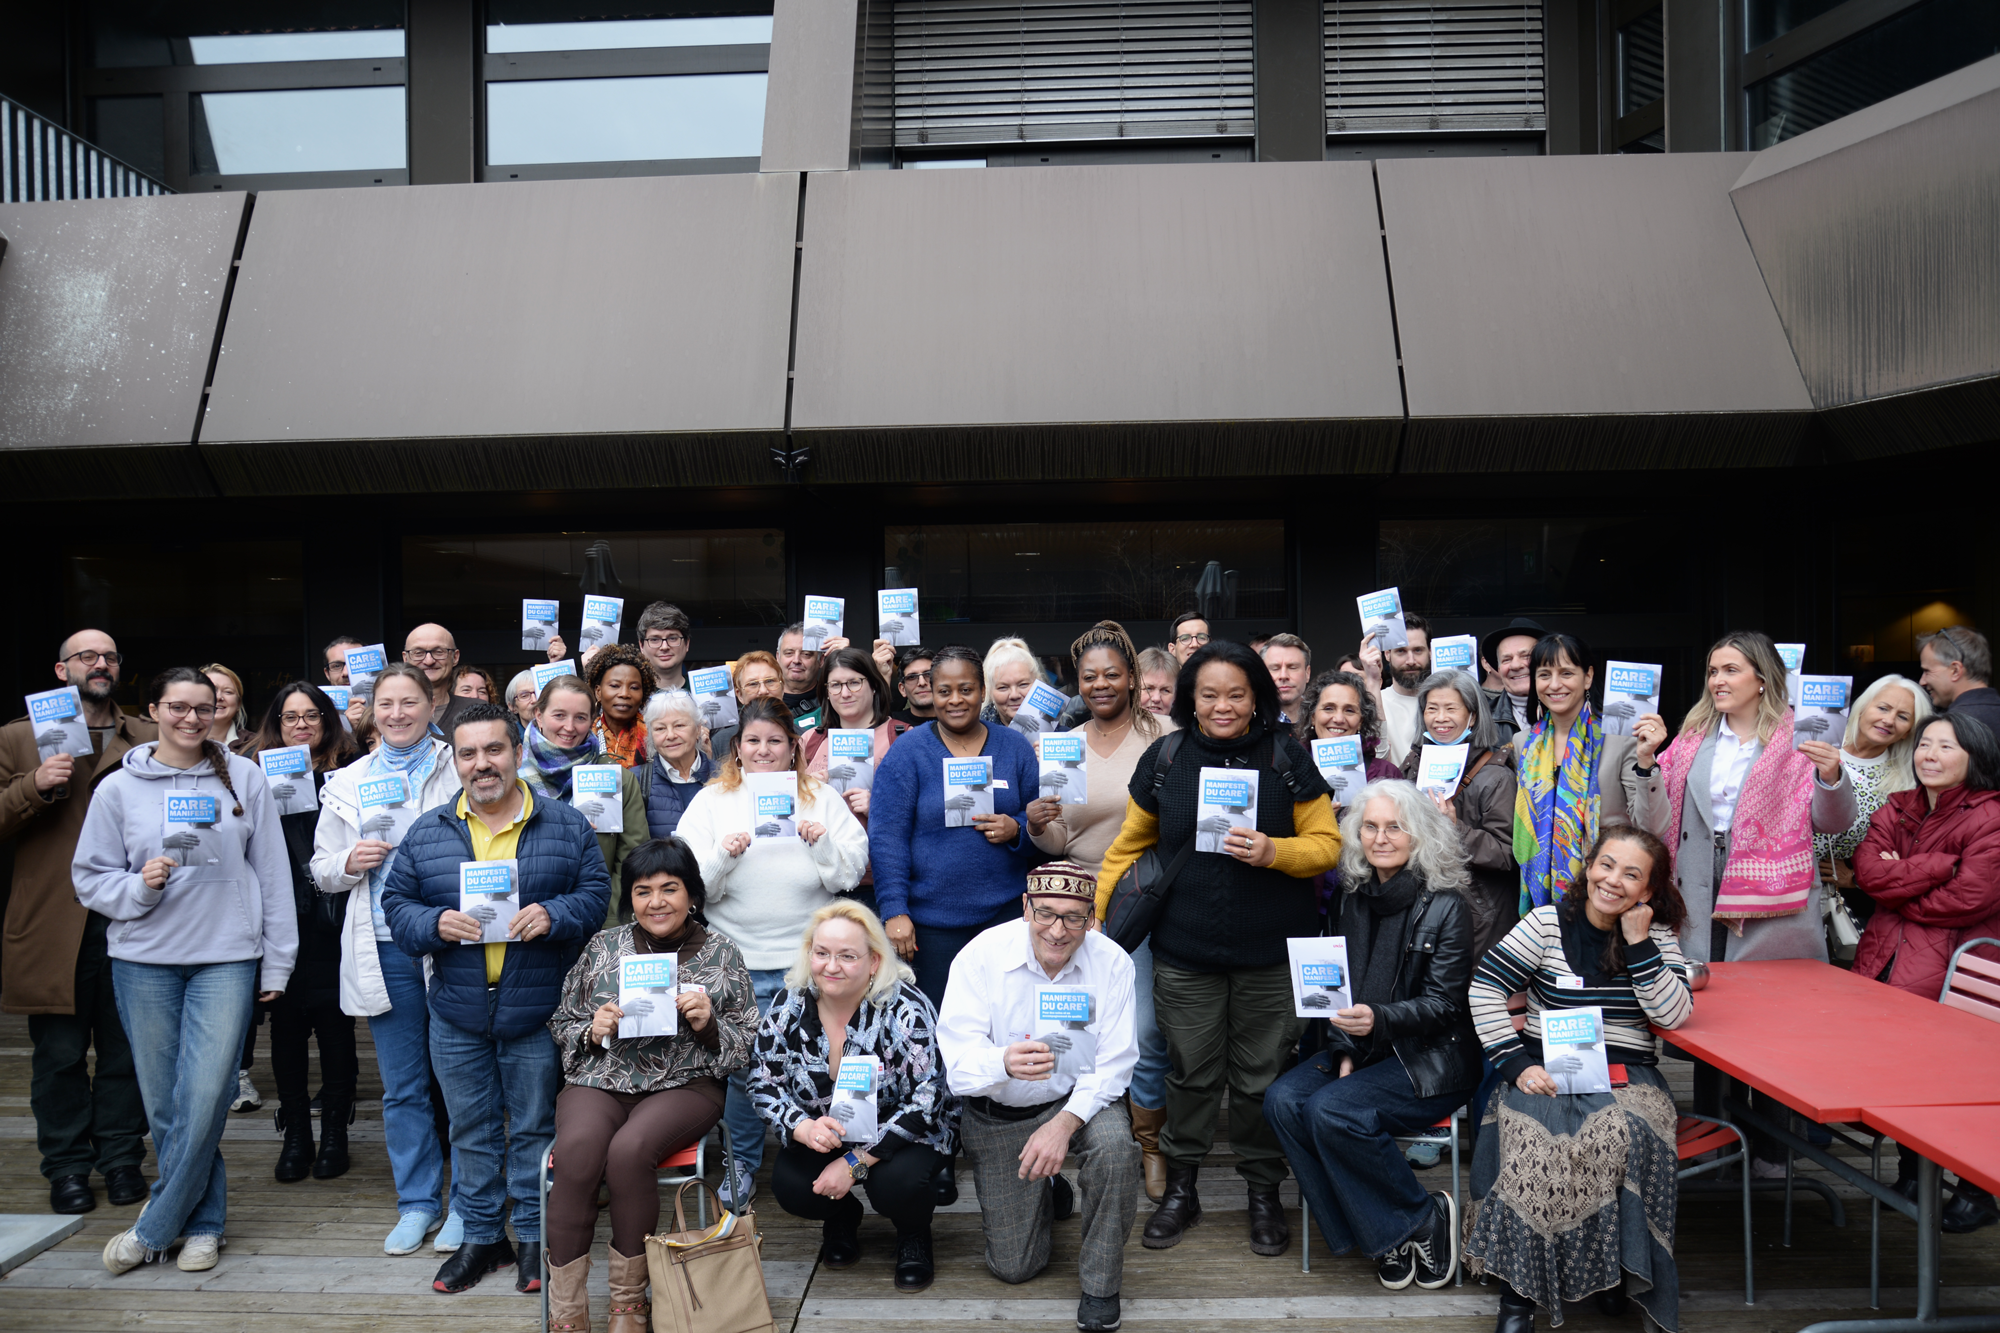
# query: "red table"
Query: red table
1964,1138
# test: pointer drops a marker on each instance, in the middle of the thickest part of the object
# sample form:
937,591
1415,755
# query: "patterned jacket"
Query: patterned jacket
651,1064
789,1079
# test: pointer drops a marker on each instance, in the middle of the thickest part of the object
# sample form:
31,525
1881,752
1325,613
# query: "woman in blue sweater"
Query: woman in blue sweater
937,885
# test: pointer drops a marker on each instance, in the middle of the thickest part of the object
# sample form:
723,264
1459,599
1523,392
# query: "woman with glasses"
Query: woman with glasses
1454,711
522,697
857,700
232,713
757,677
302,714
183,851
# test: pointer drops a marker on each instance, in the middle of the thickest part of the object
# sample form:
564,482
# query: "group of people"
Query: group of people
886,987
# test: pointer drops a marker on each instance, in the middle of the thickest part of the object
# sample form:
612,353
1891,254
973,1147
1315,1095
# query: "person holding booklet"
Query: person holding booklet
182,849
1222,991
799,666
299,747
762,890
562,743
756,677
1011,671
853,736
1338,703
631,1101
1038,1041
1557,1217
1879,753
851,1032
1393,674
1480,802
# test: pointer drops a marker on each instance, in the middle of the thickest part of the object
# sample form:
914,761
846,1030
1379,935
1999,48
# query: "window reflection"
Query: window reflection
302,129
259,47
625,34
625,120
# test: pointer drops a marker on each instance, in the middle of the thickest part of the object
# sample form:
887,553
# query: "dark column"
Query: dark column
1335,563
1291,92
444,44
1697,57
346,579
1570,73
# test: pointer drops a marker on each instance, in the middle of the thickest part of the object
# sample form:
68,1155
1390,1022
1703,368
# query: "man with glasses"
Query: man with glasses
1038,1038
1958,674
336,658
912,677
54,967
432,650
665,637
1190,632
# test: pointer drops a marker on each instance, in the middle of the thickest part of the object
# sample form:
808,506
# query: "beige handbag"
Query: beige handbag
708,1281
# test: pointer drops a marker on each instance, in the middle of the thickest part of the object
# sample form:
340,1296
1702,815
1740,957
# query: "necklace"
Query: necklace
954,744
1097,730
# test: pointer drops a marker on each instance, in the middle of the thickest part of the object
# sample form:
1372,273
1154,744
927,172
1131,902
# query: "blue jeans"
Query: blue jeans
938,945
186,1025
492,1161
746,1129
403,1055
1339,1135
1149,1076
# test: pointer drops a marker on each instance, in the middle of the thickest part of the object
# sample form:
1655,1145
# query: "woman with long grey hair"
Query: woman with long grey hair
1402,1054
1452,710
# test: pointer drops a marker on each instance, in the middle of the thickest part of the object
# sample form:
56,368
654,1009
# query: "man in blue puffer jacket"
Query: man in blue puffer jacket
500,939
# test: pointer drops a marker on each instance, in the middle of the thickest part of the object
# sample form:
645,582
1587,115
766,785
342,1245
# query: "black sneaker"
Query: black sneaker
1435,1245
1098,1314
1397,1269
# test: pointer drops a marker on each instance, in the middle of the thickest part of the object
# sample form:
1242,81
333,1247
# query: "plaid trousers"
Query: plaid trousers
1018,1215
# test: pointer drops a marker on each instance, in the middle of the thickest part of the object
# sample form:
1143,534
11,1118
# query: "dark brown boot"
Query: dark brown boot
1180,1208
1269,1232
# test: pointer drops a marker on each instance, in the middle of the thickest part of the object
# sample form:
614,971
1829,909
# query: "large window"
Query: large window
1434,67
1485,567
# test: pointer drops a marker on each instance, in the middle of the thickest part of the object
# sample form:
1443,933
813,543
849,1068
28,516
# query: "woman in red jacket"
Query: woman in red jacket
1931,862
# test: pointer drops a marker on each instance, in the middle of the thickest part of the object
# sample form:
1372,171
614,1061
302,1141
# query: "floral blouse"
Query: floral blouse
790,1083
1870,795
653,1064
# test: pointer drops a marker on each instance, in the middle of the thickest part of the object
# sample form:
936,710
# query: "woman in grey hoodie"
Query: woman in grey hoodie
183,850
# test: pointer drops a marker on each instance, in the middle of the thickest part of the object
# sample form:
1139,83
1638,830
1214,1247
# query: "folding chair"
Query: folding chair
1697,1134
1445,1134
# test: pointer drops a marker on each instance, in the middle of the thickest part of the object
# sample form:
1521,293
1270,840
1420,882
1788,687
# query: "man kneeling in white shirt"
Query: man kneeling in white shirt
1038,1039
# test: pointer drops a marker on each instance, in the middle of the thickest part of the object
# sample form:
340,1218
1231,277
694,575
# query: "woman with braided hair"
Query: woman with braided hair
620,682
183,850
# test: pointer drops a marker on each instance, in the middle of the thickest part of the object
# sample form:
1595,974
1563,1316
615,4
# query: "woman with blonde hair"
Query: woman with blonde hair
1878,753
232,714
1011,671
847,996
766,876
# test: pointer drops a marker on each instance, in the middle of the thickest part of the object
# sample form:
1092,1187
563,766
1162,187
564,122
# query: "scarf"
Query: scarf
628,747
1381,953
416,761
1771,868
552,763
1556,812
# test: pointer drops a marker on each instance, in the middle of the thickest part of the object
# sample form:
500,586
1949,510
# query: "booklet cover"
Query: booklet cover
896,617
388,806
824,619
1228,800
488,892
56,718
1631,690
1342,764
544,672
1064,774
775,796
1039,711
715,695
189,815
538,622
1441,767
1062,1016
647,984
1320,980
362,666
850,758
1793,655
1382,618
1459,652
1820,713
968,789
595,791
1573,1049
600,622
342,697
289,771
854,1091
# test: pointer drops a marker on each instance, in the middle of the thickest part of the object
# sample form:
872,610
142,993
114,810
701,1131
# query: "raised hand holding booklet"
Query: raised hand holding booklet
188,815
1820,711
489,893
600,622
1631,690
342,697
1458,652
774,798
363,665
825,619
714,697
896,617
289,771
1063,773
1382,618
538,622
1039,711
544,672
647,983
1062,1017
855,1088
1320,980
56,717
1441,767
1228,800
388,806
1341,763
1573,1049
968,789
597,792
850,759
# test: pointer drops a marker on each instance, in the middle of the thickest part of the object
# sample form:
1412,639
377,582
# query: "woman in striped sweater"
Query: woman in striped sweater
1555,1187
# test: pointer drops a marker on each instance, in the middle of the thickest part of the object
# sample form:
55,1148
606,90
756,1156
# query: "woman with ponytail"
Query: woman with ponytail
183,851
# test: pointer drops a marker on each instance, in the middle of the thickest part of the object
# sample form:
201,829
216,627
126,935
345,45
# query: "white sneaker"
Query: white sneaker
124,1252
1763,1170
246,1093
737,1189
200,1253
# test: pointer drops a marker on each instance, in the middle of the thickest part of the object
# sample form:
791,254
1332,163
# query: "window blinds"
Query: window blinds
1424,65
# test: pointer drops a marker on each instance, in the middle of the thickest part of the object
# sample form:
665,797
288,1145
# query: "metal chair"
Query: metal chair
1445,1134
1698,1134
1973,984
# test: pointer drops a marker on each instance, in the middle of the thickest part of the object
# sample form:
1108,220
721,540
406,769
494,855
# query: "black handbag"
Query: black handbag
1136,899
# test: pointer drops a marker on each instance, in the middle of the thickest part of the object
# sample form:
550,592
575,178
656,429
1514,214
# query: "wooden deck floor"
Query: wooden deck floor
311,1253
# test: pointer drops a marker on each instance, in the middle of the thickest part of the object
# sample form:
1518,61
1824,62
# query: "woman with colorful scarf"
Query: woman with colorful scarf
1575,777
620,683
563,736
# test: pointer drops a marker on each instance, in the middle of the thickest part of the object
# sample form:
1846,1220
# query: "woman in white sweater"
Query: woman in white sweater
767,870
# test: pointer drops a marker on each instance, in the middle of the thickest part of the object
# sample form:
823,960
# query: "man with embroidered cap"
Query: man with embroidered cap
1038,1039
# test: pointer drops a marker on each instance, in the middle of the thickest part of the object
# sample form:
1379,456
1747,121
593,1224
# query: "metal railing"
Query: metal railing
40,160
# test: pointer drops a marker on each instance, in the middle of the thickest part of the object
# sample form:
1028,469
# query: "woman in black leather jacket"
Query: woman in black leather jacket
1403,1056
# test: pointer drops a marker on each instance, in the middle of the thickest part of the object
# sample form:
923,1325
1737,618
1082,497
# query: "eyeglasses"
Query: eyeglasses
822,957
916,677
298,719
178,711
845,686
1195,639
90,657
415,655
664,640
1383,831
525,694
1048,916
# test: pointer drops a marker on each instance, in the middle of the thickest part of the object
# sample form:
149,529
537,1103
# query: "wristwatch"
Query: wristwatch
855,1166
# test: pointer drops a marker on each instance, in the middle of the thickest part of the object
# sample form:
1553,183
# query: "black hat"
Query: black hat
1489,644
